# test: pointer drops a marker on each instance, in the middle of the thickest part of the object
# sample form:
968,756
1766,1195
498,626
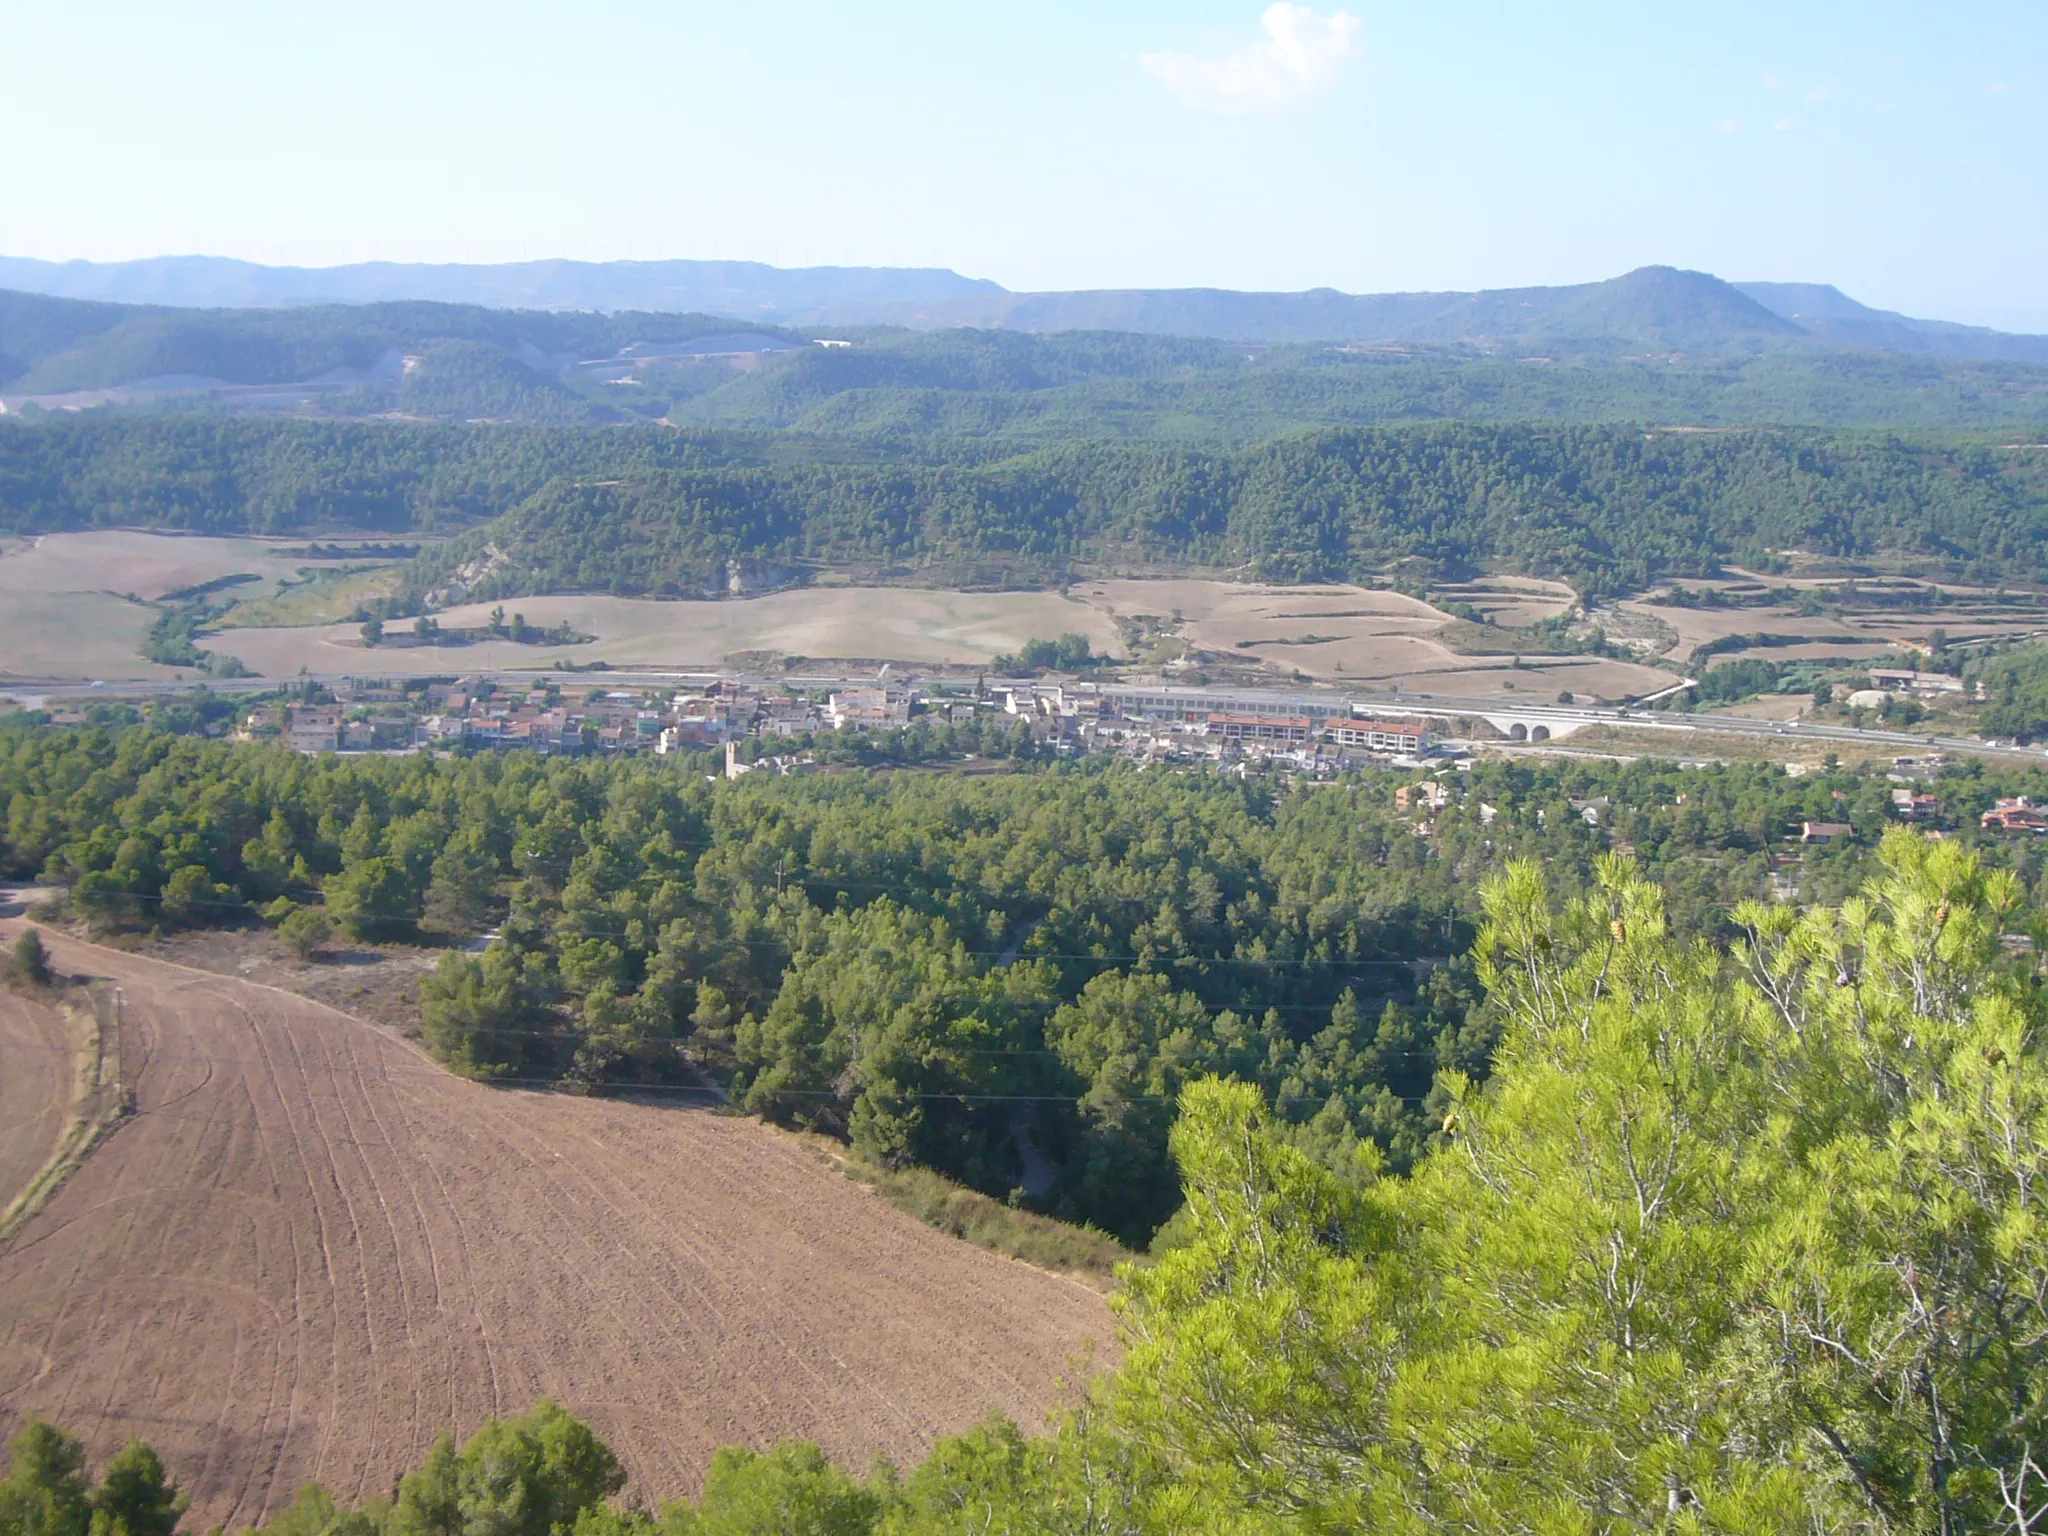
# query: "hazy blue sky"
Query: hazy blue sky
1899,150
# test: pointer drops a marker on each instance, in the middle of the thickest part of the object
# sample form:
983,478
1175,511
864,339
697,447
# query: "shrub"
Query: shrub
306,931
31,962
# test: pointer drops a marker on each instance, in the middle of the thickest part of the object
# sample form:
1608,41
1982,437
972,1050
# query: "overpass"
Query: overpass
1531,727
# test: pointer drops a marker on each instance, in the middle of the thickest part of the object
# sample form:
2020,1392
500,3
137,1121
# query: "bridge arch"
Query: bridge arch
1521,727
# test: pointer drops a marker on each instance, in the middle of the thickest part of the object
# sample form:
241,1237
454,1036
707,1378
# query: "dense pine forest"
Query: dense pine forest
1190,391
1607,508
661,512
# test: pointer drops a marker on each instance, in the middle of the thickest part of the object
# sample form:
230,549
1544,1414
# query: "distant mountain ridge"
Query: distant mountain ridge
749,290
1653,309
1657,347
1824,310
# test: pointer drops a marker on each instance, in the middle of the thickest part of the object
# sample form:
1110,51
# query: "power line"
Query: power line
940,886
555,1084
936,1051
618,925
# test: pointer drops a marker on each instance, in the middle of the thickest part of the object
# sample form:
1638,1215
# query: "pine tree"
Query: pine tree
46,1492
135,1497
31,961
1740,1242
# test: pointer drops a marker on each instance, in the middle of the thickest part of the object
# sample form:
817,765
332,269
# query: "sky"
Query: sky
1897,150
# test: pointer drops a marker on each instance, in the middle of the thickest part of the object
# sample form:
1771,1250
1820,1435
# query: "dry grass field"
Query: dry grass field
1350,633
75,605
1769,706
80,635
1514,601
329,600
1696,626
145,564
1702,743
1362,637
1818,650
1218,614
906,624
1541,679
1863,624
64,612
311,1250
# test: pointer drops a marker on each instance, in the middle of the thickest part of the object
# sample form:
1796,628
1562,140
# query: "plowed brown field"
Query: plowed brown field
311,1251
38,1061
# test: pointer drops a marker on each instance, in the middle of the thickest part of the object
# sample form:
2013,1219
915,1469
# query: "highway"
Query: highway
1786,732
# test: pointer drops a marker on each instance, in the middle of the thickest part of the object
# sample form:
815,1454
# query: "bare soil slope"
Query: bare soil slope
38,1060
312,1250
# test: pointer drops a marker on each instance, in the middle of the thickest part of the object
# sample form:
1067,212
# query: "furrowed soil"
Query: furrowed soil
38,1063
310,1250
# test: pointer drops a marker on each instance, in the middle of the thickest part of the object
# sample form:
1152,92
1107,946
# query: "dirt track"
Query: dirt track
312,1250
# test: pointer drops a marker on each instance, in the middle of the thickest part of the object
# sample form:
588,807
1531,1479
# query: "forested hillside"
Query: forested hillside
218,474
52,345
1607,508
660,512
1002,384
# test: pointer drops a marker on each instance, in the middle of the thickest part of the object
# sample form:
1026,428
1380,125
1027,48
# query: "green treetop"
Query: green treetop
1740,1242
